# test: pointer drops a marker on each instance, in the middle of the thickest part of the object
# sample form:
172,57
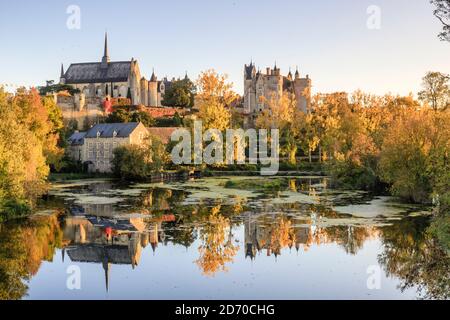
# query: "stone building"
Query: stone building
75,148
99,81
95,147
261,87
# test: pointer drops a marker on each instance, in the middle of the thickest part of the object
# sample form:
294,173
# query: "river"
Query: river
221,238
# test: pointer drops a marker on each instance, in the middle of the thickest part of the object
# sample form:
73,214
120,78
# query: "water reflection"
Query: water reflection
221,232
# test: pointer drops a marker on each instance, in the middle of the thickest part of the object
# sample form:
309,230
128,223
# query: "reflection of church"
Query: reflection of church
107,241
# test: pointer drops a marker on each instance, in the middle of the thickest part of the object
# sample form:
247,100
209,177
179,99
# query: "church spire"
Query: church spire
105,59
62,79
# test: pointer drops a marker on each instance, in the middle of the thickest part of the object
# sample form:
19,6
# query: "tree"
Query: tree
119,115
214,99
442,12
28,144
180,94
139,162
281,114
414,155
144,117
55,88
436,90
122,115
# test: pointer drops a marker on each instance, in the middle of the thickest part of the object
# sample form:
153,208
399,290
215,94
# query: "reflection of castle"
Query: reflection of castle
109,241
265,234
274,237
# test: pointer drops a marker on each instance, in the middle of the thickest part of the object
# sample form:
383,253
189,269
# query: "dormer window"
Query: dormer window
98,134
114,134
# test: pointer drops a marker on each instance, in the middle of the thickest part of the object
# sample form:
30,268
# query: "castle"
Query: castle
104,80
260,88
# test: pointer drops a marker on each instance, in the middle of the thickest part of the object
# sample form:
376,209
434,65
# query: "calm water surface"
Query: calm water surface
220,238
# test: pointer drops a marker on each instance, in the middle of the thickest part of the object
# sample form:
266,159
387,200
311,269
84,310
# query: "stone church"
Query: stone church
105,80
261,87
114,79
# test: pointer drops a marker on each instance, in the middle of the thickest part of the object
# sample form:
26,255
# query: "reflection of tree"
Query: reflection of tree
23,246
217,246
351,238
411,254
281,235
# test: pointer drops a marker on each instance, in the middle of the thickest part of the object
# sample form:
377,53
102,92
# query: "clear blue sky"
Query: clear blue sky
328,40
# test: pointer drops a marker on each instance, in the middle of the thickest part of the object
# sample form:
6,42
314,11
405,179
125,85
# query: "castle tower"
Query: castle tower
105,59
153,91
249,87
289,76
144,91
62,79
302,91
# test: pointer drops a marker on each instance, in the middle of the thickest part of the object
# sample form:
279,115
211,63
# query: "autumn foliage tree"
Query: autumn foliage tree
213,100
28,146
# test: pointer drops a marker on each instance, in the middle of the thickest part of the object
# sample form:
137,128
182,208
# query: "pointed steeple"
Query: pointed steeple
297,74
289,76
105,59
153,77
106,268
62,79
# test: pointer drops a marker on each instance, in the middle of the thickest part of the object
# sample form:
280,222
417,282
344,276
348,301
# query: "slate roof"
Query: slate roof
249,71
106,130
77,138
93,72
97,254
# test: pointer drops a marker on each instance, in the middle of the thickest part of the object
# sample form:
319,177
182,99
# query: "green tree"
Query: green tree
139,162
119,115
144,117
180,94
55,88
